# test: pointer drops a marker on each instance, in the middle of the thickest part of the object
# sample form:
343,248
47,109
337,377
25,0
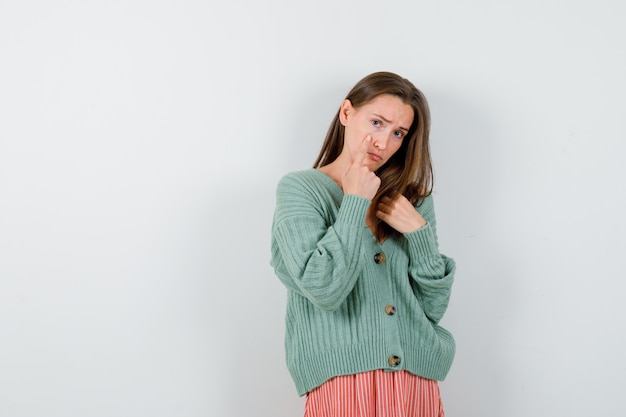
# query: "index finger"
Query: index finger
360,158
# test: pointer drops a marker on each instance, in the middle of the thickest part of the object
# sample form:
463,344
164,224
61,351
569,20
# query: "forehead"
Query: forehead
391,107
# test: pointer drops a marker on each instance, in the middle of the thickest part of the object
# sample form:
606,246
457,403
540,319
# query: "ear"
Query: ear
344,111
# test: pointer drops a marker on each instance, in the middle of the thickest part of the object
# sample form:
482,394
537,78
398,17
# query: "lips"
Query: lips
374,156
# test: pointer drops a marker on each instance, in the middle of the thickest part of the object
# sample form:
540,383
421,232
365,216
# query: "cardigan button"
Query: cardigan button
390,309
394,360
380,258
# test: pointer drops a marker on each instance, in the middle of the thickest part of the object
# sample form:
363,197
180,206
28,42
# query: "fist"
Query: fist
358,179
399,213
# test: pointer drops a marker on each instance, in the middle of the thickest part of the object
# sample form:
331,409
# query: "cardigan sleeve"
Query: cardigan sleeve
312,258
431,272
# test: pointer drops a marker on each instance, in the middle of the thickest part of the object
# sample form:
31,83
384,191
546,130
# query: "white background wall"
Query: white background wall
141,142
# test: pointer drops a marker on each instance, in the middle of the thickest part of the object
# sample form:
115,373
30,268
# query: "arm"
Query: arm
314,259
431,272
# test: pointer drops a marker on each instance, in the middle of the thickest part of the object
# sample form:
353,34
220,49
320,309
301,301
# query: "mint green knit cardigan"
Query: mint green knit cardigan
349,308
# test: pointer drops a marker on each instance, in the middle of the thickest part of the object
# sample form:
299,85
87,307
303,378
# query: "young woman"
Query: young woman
354,242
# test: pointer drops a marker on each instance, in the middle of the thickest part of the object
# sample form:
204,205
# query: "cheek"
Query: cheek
395,147
350,141
354,135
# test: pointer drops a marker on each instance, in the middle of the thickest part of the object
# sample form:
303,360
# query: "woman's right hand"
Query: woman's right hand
358,179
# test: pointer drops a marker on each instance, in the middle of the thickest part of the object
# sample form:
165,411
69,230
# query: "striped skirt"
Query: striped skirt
375,394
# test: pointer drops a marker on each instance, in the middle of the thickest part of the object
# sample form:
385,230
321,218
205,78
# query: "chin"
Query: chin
374,166
379,165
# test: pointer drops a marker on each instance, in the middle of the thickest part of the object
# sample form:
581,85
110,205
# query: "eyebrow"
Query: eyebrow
389,121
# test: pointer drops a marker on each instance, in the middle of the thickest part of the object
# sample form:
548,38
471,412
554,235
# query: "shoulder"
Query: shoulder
426,203
301,193
297,177
298,186
309,181
296,183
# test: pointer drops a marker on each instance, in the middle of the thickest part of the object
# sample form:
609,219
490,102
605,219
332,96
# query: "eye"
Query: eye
376,123
399,134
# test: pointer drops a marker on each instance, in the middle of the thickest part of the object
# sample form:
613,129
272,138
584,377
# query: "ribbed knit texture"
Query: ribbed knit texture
336,322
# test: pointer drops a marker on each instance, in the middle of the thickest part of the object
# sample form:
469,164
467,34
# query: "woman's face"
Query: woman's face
386,119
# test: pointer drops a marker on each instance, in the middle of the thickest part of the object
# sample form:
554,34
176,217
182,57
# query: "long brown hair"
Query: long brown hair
409,171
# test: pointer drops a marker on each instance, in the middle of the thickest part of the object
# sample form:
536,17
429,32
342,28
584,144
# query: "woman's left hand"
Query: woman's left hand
399,213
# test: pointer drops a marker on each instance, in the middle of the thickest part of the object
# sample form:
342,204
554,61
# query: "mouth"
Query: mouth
374,156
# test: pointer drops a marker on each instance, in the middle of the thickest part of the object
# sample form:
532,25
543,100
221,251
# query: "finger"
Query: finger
389,202
383,208
365,145
382,216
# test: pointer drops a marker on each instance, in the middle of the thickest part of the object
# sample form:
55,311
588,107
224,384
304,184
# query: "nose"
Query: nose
380,142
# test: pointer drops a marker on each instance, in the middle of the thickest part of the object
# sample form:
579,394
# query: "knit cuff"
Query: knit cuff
422,242
353,210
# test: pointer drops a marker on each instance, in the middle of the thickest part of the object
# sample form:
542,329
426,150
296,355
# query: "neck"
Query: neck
335,170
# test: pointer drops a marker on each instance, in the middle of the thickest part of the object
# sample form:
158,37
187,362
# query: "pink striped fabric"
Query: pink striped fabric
375,394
